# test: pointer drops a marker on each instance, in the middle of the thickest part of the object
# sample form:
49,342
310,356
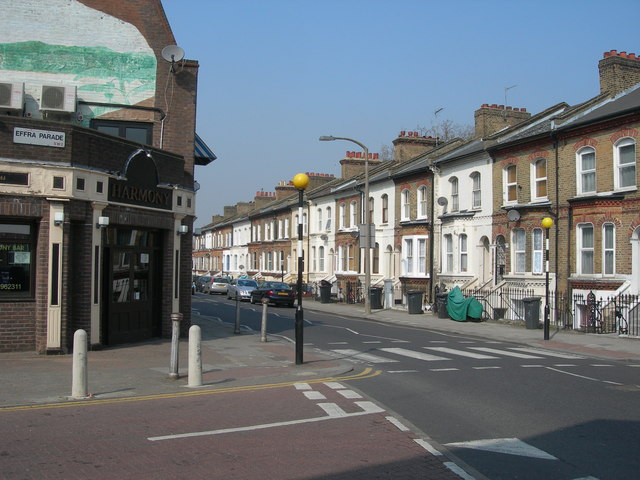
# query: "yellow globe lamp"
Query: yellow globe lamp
301,181
547,222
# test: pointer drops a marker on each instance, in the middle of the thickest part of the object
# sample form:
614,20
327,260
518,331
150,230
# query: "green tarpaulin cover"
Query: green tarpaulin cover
459,307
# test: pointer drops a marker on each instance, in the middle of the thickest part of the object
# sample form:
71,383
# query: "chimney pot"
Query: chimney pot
485,105
509,108
623,54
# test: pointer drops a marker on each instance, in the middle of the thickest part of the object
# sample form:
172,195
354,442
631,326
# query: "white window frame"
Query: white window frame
320,223
328,227
608,249
463,252
519,242
585,250
385,208
343,216
538,181
447,253
405,210
353,211
583,173
321,258
476,191
619,168
537,251
286,227
455,194
510,186
422,210
407,253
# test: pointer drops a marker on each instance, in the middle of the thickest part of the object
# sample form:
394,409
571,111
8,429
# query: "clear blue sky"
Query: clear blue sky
277,74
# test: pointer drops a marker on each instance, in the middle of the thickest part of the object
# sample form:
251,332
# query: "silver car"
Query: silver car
217,285
241,288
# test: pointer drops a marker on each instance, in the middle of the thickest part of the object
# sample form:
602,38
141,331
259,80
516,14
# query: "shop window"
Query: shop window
17,244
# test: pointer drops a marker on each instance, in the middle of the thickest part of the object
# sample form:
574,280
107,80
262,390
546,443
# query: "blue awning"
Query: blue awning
202,154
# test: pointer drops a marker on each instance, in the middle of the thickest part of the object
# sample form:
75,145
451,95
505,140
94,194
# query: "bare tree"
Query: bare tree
446,130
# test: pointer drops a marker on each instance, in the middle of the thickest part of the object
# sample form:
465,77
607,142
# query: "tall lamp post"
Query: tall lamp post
547,223
366,222
301,182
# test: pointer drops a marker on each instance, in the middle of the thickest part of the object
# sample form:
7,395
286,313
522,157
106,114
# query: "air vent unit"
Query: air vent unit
11,96
58,99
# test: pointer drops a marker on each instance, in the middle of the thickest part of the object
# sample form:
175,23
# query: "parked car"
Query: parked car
217,285
275,292
241,288
202,281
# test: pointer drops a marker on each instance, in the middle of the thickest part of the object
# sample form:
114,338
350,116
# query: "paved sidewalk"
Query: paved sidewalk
609,346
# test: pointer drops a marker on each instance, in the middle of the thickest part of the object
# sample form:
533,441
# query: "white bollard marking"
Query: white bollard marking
79,385
195,357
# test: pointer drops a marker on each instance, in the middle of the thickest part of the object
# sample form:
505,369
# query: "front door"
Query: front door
131,291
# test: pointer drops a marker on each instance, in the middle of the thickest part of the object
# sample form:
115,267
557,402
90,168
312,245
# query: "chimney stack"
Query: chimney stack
618,71
353,163
490,119
409,145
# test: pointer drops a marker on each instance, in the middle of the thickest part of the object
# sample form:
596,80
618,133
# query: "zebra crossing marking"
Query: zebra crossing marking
413,354
539,351
367,357
462,353
504,352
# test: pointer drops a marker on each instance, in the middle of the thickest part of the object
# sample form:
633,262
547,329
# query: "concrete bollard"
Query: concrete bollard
79,384
176,318
263,328
195,357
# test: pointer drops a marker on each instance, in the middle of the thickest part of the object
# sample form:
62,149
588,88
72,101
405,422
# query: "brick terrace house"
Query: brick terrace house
576,165
98,192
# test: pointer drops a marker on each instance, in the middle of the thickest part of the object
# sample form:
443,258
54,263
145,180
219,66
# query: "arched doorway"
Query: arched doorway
501,259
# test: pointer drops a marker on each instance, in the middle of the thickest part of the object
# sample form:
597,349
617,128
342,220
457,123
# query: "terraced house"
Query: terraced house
469,213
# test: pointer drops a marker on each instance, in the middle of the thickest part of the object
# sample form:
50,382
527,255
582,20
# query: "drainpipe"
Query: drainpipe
432,236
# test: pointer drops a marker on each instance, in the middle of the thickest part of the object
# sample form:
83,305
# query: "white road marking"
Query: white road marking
504,352
400,426
494,367
373,341
413,354
532,366
509,446
600,365
338,343
302,386
427,446
458,471
565,365
333,412
349,394
547,353
367,357
334,385
313,395
444,369
461,353
402,371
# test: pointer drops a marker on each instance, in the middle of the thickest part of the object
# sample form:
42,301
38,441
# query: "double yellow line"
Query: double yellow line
366,373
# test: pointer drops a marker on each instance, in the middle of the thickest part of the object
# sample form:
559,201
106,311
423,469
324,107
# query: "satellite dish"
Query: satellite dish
442,201
172,53
513,215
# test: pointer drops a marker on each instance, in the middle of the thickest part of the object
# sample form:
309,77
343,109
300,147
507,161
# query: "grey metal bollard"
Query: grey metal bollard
79,384
263,328
176,318
195,357
237,325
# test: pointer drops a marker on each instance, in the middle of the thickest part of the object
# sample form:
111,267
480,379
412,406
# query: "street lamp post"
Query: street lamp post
366,222
300,181
547,223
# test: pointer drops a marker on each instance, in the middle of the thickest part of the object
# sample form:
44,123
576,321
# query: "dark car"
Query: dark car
202,281
275,292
